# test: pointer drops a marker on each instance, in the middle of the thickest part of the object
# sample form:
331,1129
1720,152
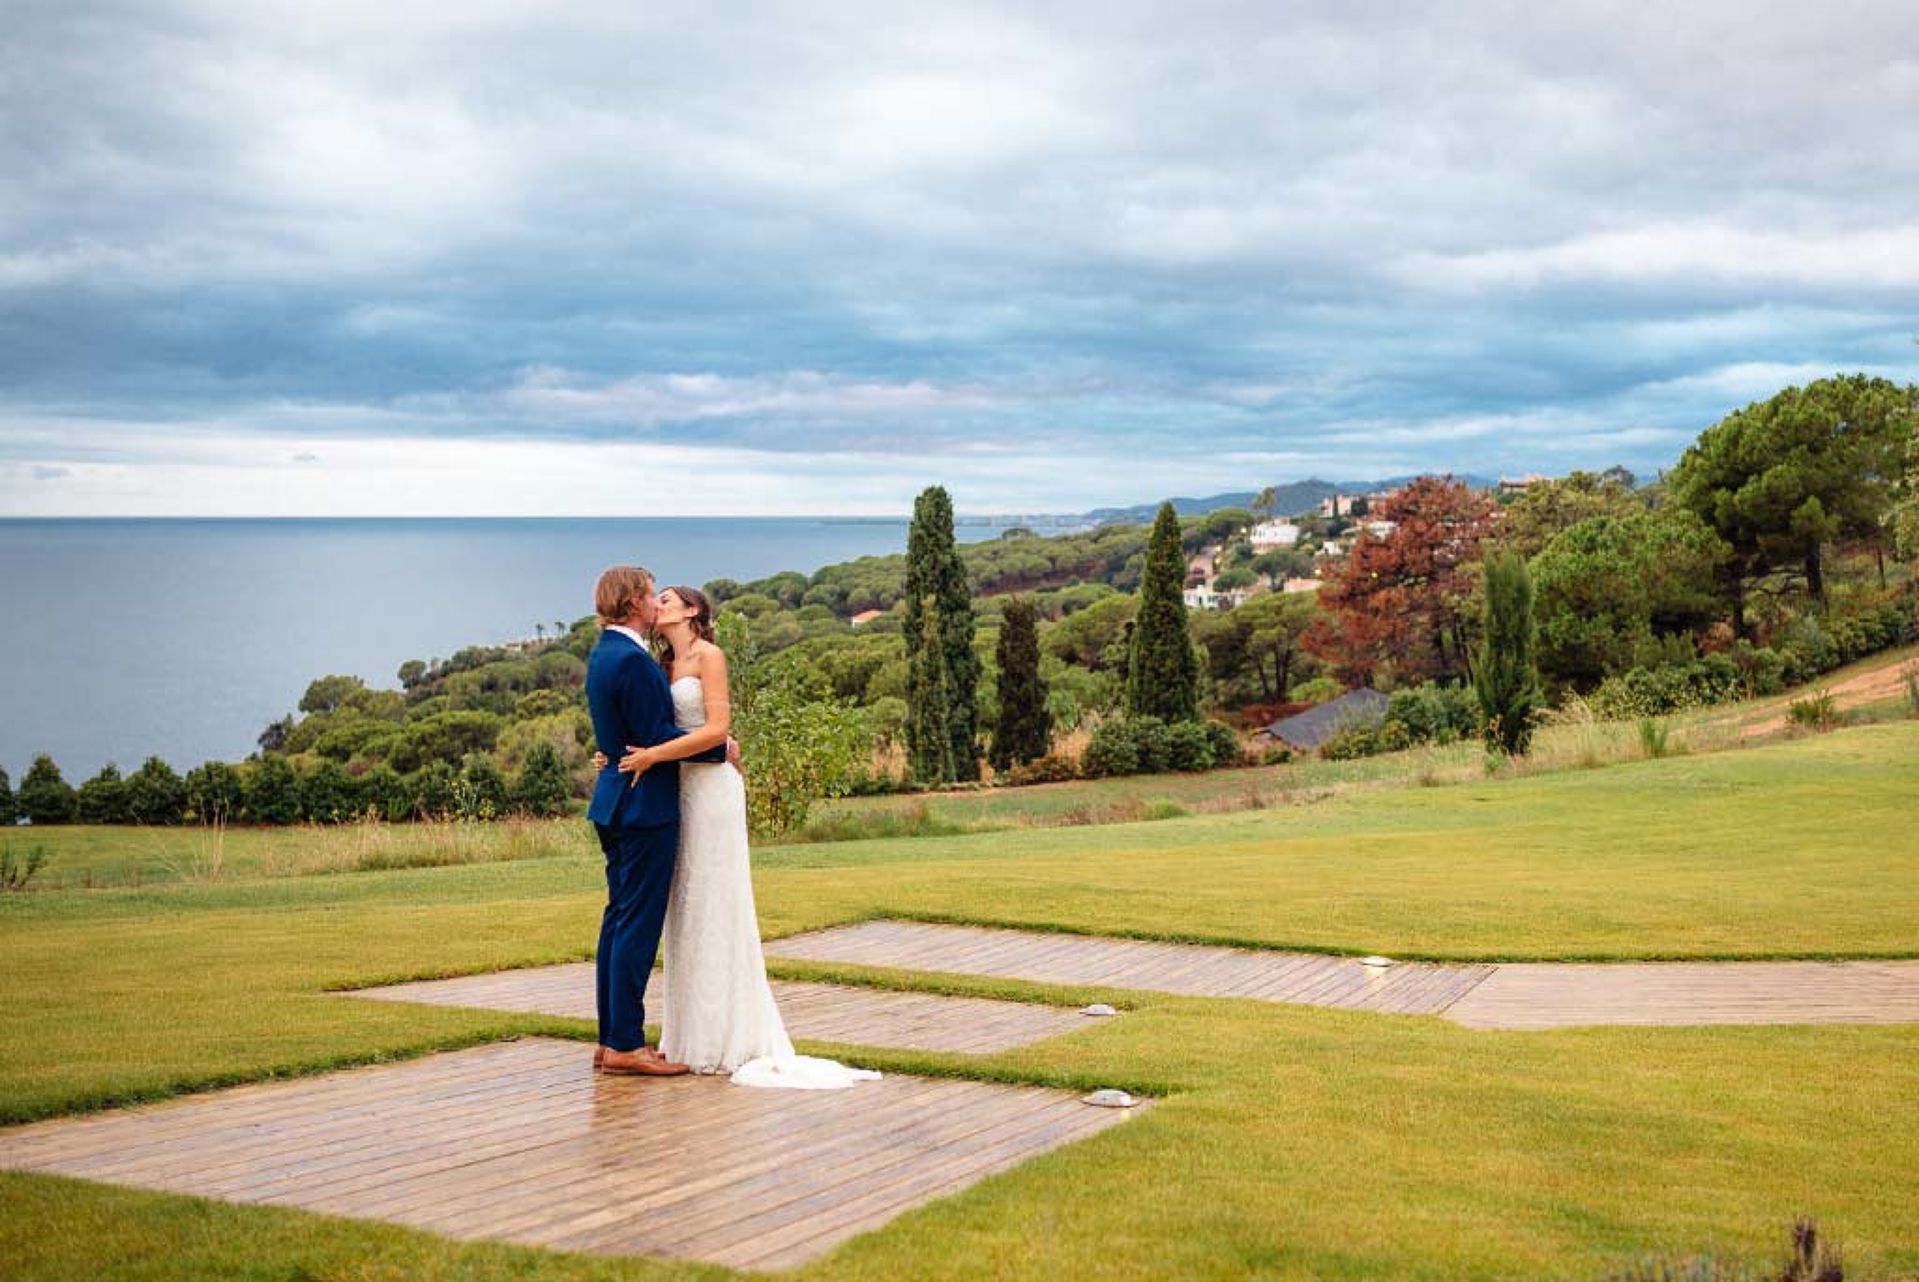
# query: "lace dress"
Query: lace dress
719,1015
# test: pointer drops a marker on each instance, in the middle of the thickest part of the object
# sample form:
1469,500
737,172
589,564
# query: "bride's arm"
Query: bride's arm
718,699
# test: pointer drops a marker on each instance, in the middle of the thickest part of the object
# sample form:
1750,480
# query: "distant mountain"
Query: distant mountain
1290,499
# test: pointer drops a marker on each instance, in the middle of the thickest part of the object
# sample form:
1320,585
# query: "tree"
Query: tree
1025,729
1254,652
937,586
274,738
103,798
1506,680
544,787
272,793
1401,603
929,747
1547,508
9,808
45,797
213,793
1780,479
1607,588
412,673
1162,672
156,794
330,693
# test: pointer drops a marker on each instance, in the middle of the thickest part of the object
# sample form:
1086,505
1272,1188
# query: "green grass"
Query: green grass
1290,1142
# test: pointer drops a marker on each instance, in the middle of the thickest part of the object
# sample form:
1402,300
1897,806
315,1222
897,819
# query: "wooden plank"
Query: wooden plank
840,1013
520,1142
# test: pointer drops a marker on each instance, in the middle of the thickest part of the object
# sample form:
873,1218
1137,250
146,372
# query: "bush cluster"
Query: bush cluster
1136,745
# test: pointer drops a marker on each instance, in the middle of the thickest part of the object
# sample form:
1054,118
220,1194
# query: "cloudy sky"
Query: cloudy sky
337,256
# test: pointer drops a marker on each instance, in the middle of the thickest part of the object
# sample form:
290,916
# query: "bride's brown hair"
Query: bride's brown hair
701,620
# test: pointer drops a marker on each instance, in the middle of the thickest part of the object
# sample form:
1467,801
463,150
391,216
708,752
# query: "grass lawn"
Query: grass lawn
1292,1142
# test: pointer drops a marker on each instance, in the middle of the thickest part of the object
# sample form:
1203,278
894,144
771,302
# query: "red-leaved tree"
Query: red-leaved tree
1401,600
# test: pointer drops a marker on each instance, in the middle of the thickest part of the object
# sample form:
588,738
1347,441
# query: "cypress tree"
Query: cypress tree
937,586
929,746
9,809
1024,731
45,796
1507,681
1162,672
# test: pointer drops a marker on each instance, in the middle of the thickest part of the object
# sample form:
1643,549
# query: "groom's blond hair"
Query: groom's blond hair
617,594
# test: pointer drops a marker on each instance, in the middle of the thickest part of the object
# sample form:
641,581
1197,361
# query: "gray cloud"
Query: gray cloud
1233,235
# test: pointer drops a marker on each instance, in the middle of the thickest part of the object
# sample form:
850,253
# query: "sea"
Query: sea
122,639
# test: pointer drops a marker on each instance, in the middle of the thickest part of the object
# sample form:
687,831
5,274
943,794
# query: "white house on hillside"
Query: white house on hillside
1271,536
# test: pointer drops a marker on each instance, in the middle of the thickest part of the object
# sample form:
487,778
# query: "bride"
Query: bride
719,1014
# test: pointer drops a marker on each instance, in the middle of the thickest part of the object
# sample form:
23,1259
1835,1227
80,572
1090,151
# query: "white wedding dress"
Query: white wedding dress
719,1014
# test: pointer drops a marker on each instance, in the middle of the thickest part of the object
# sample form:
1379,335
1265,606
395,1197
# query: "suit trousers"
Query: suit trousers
639,874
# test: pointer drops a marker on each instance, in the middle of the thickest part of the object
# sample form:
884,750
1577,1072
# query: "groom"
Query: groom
638,822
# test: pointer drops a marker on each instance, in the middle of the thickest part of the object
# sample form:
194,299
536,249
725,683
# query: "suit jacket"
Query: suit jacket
632,704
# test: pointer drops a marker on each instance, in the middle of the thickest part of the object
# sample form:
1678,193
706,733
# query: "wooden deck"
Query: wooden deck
821,1012
1190,970
521,1142
1512,996
1543,995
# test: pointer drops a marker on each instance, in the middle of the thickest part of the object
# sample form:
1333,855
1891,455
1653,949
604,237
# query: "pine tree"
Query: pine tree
937,586
1162,672
45,796
1024,731
1507,680
929,746
9,809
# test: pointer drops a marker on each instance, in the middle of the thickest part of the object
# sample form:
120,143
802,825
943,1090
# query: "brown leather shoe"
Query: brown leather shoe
599,1057
634,1064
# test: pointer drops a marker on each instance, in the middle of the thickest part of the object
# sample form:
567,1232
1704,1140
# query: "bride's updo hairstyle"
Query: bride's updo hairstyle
701,620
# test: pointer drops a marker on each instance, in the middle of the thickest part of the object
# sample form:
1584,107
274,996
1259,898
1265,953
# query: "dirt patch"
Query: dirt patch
1854,692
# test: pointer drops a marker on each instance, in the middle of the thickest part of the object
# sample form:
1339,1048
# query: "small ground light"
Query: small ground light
1109,1098
1376,962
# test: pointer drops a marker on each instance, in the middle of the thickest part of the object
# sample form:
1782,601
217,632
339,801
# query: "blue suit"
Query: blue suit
638,826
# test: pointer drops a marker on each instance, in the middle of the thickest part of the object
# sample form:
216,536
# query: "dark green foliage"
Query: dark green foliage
929,746
435,790
103,798
328,794
1610,585
937,587
329,693
156,794
544,788
213,793
1162,675
1434,713
1024,730
481,792
1348,745
1780,479
274,737
45,797
382,791
1653,692
272,794
1507,677
9,808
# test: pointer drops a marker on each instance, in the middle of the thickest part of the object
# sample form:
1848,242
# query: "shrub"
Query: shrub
1814,712
481,792
1392,736
15,872
1433,713
272,792
1348,745
1318,690
1654,692
1277,755
1762,671
383,792
544,787
1051,768
1652,737
1135,745
1111,751
433,789
1227,750
1189,747
328,794
213,792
